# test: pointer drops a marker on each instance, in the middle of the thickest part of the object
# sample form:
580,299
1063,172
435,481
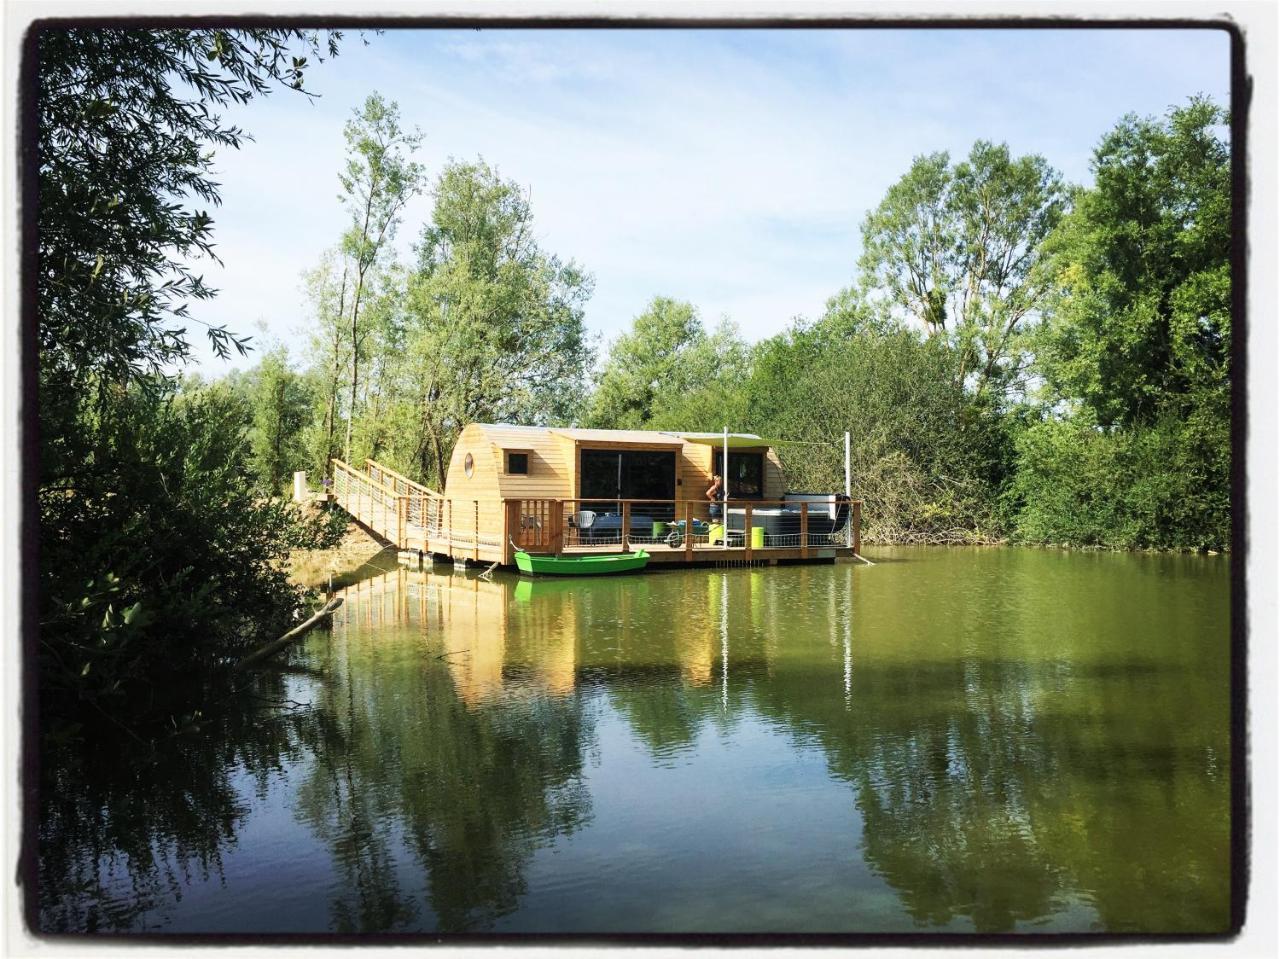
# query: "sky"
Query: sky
729,168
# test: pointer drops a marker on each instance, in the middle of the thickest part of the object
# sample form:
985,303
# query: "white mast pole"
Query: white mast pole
724,493
848,489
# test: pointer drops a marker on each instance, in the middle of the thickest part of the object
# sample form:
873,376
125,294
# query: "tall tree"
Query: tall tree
1143,272
328,349
378,180
280,401
495,322
956,249
155,561
127,124
710,390
1134,446
655,358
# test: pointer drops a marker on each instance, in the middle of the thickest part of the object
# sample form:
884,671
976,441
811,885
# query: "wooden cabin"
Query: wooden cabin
552,489
491,463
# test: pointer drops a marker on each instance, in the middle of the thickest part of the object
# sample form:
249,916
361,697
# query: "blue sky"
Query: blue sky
728,168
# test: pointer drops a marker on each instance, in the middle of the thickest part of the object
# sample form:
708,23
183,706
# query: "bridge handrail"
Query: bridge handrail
383,508
399,479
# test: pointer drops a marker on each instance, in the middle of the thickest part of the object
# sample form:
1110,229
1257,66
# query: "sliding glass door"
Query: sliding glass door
627,474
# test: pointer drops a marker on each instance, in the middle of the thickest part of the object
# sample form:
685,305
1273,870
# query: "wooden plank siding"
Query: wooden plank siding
480,516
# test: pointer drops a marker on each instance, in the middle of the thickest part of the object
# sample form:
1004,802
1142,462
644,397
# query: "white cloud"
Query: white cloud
729,168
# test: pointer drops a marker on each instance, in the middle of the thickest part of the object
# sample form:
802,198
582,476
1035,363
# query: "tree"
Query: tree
280,402
1134,447
710,391
494,326
654,359
329,353
925,458
956,249
377,182
120,156
385,391
156,563
1142,317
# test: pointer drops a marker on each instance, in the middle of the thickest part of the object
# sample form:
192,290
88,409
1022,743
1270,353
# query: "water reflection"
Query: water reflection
1004,741
452,744
124,831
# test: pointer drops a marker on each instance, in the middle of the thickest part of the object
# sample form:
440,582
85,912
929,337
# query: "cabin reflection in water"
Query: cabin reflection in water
505,636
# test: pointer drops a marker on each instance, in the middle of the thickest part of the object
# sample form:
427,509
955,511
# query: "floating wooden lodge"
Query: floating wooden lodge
574,491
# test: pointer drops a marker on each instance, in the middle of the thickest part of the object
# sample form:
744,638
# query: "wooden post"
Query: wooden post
475,532
746,532
557,526
804,529
448,536
402,514
626,524
856,519
688,532
510,528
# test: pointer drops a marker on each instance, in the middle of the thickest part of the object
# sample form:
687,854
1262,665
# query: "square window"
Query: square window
518,463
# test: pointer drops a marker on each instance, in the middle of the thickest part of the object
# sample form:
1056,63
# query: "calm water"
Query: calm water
953,740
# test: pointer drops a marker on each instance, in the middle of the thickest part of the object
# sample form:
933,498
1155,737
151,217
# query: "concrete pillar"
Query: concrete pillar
300,494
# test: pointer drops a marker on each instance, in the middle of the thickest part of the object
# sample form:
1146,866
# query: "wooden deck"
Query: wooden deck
415,519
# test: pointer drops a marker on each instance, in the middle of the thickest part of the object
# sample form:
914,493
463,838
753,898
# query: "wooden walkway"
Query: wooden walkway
413,518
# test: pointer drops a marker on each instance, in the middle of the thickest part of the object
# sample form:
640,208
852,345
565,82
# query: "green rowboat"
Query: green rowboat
582,565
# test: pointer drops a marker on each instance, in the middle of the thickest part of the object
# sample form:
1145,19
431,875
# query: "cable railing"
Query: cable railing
799,521
415,517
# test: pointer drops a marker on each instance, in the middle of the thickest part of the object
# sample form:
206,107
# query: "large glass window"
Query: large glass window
746,474
627,474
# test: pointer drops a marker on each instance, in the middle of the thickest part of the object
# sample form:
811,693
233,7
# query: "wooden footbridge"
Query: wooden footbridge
413,518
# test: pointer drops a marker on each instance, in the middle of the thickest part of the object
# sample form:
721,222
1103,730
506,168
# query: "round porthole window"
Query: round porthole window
468,466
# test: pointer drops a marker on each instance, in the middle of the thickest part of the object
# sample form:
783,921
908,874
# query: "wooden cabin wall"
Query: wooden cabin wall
483,486
695,463
775,481
554,471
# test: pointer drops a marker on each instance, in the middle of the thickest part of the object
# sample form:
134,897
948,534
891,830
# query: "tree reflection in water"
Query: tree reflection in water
432,748
125,825
1008,760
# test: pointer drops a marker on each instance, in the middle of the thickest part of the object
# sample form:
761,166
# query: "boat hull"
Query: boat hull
582,565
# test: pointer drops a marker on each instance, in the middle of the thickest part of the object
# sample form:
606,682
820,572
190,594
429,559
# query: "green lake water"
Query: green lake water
954,740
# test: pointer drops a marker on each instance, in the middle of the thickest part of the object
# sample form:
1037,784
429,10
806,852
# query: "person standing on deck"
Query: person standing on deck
713,494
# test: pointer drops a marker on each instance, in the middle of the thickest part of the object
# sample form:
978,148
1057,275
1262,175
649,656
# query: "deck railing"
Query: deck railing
376,506
555,525
409,514
413,516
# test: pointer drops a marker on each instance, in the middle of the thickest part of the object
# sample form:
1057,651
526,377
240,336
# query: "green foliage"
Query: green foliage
925,456
955,249
160,565
280,400
669,373
378,180
1137,347
648,361
156,561
328,356
121,155
709,388
493,327
1153,487
1143,316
